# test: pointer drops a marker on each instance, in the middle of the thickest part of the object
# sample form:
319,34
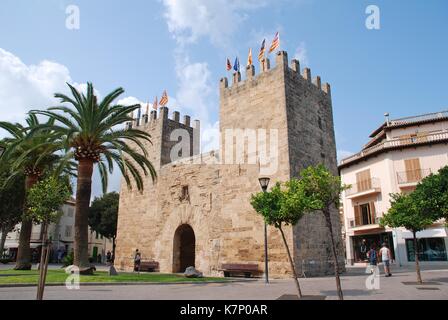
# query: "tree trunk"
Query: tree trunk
3,240
43,256
327,215
23,261
46,251
114,245
417,263
83,193
293,268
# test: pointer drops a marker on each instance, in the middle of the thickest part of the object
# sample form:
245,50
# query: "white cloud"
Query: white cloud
188,20
301,54
25,87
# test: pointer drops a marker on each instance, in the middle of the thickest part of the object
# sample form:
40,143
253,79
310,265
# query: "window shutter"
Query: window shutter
358,220
372,212
413,170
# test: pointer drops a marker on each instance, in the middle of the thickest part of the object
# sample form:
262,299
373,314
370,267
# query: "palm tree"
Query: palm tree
93,133
30,153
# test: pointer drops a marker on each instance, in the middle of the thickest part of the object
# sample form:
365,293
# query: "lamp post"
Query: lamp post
264,183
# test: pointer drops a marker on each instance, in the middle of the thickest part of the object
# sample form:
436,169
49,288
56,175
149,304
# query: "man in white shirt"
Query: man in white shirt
386,257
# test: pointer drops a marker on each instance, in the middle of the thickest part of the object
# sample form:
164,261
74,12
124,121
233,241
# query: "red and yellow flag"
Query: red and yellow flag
228,65
275,43
164,99
262,50
249,58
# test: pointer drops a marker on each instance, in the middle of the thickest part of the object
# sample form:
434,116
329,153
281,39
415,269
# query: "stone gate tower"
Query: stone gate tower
198,212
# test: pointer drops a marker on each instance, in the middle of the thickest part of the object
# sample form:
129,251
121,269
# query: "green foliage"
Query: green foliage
406,211
103,215
45,199
31,149
319,189
68,259
432,193
12,197
281,205
93,132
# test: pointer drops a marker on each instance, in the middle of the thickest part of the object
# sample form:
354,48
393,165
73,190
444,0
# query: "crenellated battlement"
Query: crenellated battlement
154,117
265,67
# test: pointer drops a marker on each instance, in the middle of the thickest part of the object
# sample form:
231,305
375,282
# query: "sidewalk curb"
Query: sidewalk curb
108,284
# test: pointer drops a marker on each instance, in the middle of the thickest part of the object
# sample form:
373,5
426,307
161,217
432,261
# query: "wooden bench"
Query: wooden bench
149,266
248,270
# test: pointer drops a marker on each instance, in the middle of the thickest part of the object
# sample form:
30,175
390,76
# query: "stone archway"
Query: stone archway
184,248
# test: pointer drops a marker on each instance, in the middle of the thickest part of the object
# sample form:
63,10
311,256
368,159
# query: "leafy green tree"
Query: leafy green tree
30,153
407,212
433,193
103,216
320,191
281,207
44,202
93,133
12,197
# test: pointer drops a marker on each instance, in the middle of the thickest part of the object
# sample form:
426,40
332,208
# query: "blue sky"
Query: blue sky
181,46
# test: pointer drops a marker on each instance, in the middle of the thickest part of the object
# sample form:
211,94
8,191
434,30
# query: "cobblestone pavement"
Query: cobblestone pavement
353,283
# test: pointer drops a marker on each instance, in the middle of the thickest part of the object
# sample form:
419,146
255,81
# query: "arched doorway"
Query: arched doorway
184,248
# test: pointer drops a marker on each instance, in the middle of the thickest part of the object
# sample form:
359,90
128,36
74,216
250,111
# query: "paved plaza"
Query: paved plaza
353,283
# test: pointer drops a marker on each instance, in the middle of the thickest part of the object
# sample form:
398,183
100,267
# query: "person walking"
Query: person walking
386,257
363,250
373,258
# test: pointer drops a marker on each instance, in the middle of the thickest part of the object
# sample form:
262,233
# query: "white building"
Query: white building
62,236
400,153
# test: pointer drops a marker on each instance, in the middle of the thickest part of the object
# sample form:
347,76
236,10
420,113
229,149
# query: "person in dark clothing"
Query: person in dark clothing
137,260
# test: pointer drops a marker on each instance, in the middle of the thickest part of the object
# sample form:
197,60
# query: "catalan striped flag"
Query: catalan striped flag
164,99
229,65
249,58
262,50
155,105
275,43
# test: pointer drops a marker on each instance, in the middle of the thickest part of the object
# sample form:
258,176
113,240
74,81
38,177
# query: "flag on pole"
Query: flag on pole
236,66
262,50
155,105
229,65
249,59
164,99
275,43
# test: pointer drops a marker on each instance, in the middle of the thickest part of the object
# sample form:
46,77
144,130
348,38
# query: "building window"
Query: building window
68,231
430,249
96,235
185,194
70,212
365,214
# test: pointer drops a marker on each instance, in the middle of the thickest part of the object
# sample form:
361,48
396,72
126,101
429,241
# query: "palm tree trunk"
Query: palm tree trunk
417,262
83,193
23,261
327,215
293,268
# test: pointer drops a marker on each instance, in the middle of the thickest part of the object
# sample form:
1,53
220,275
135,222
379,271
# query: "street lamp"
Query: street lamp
264,183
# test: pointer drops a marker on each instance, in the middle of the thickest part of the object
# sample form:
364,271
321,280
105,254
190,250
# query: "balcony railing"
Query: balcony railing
351,223
396,143
412,176
363,186
424,117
